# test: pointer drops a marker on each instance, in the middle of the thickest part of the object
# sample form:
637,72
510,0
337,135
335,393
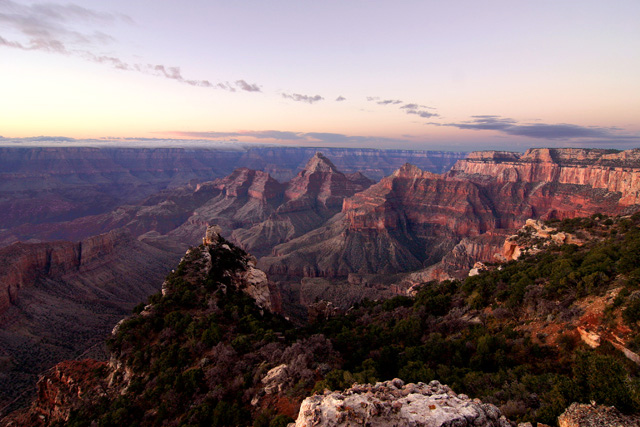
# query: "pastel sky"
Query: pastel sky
424,74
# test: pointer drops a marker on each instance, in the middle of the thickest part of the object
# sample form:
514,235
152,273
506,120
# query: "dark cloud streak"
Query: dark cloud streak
560,131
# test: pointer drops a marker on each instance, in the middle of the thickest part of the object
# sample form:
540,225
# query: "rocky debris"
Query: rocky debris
322,310
583,415
590,338
393,403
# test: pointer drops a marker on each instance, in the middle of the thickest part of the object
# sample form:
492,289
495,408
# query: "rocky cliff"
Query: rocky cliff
615,172
60,299
414,219
214,284
25,263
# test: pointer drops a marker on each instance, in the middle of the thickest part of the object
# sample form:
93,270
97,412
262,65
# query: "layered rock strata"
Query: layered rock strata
415,219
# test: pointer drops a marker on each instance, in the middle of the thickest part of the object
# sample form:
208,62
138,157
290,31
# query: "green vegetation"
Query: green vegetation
198,355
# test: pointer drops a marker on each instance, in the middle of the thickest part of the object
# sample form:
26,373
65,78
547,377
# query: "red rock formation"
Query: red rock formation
596,169
25,262
320,180
413,219
46,185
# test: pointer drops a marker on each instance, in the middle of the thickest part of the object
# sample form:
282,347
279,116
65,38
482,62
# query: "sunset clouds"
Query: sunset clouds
407,74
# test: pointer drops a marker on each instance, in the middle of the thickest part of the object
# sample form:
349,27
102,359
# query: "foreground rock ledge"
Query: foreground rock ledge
392,403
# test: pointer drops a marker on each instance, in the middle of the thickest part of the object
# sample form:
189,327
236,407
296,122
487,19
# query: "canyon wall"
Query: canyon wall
597,169
414,219
60,299
50,184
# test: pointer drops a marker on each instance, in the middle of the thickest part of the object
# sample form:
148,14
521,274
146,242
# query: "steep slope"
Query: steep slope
414,219
44,185
59,299
141,241
203,352
215,316
238,202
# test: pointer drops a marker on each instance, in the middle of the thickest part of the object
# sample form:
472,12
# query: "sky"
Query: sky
425,74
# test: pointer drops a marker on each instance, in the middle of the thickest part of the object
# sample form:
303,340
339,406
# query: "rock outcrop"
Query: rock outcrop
252,281
582,415
62,391
532,237
392,403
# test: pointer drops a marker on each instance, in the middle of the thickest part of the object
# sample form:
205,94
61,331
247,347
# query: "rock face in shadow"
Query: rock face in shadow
60,299
415,219
210,277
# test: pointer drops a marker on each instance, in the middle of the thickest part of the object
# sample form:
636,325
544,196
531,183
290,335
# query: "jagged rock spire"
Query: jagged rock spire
212,235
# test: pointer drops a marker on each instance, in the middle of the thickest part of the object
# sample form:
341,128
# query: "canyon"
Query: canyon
439,225
326,238
210,348
120,257
40,185
59,300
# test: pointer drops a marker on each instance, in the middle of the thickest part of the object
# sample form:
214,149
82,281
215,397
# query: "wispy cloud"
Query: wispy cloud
560,131
249,87
341,98
422,113
408,108
303,98
52,28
